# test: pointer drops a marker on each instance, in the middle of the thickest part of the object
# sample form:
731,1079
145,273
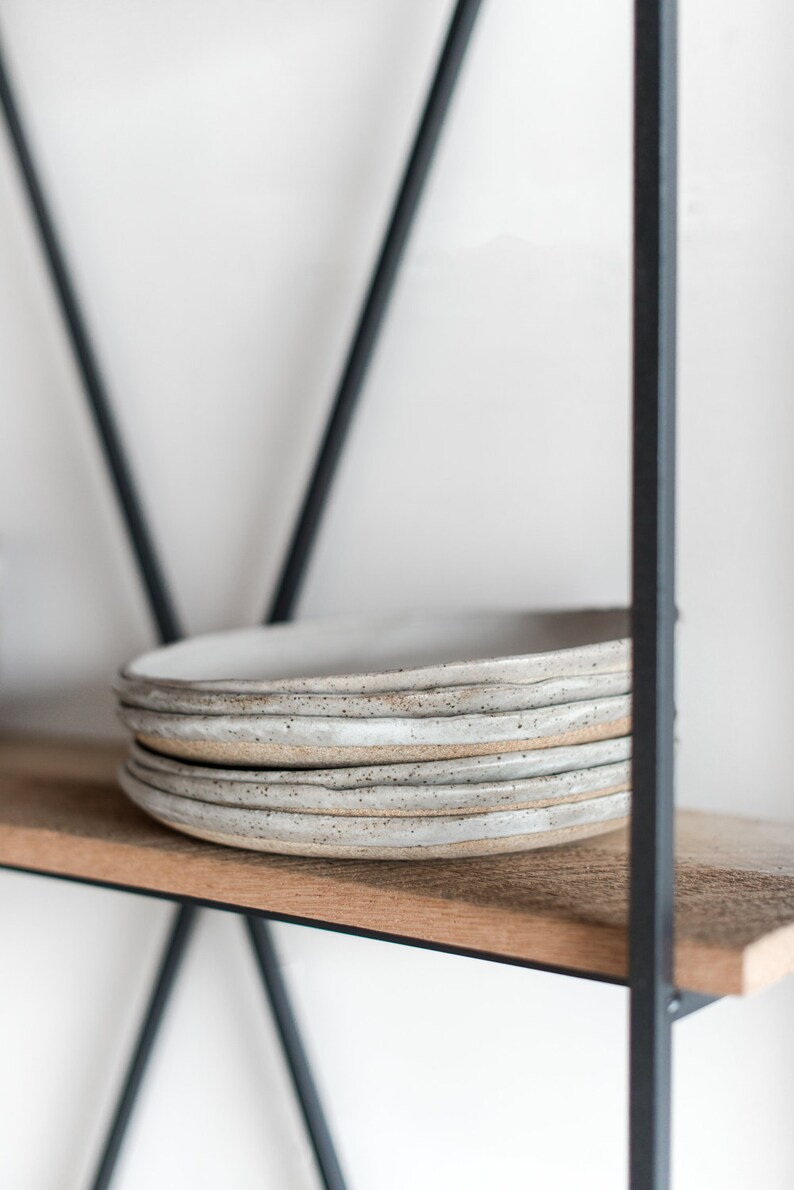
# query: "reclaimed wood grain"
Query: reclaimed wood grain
61,813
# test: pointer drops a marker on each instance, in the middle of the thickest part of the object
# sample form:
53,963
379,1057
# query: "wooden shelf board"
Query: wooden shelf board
62,813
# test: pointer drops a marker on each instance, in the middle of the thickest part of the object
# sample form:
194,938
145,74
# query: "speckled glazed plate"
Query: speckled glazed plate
441,700
354,837
495,767
304,741
369,655
387,800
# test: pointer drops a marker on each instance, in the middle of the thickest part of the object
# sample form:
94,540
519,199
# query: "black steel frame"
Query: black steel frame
654,1002
652,1007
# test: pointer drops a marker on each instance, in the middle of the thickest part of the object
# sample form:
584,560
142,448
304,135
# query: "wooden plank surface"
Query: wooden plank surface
62,813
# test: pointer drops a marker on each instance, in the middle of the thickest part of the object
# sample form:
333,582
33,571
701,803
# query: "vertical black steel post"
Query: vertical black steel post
653,597
373,308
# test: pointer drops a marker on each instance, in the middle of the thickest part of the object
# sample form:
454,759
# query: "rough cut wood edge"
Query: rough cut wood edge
61,813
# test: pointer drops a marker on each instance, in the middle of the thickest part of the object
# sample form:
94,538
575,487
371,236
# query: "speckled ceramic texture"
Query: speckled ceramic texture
391,800
355,837
496,767
471,850
247,754
308,741
444,700
385,655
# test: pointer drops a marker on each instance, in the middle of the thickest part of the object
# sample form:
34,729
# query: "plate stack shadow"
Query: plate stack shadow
410,737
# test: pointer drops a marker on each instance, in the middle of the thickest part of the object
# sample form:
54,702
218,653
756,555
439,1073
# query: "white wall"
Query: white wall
221,173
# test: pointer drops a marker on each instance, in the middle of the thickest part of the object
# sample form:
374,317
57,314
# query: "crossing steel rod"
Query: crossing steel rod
170,964
151,572
261,936
653,1006
373,308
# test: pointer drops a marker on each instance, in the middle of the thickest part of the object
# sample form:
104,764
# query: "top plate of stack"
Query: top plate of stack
243,670
379,690
400,738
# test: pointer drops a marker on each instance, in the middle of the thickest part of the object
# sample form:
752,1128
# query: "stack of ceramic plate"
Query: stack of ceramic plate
405,738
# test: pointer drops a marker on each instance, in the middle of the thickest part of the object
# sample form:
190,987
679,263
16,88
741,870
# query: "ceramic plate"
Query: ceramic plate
309,741
352,837
392,800
494,768
443,700
376,655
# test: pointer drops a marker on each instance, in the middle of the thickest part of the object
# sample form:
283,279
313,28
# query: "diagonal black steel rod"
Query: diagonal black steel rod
162,608
170,964
260,934
653,598
373,308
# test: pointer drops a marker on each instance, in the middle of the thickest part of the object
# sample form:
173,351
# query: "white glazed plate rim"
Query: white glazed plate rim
438,701
392,800
585,642
496,766
365,832
324,731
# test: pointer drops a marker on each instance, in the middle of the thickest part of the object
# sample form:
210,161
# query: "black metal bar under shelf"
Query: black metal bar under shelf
684,1004
334,927
653,1006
